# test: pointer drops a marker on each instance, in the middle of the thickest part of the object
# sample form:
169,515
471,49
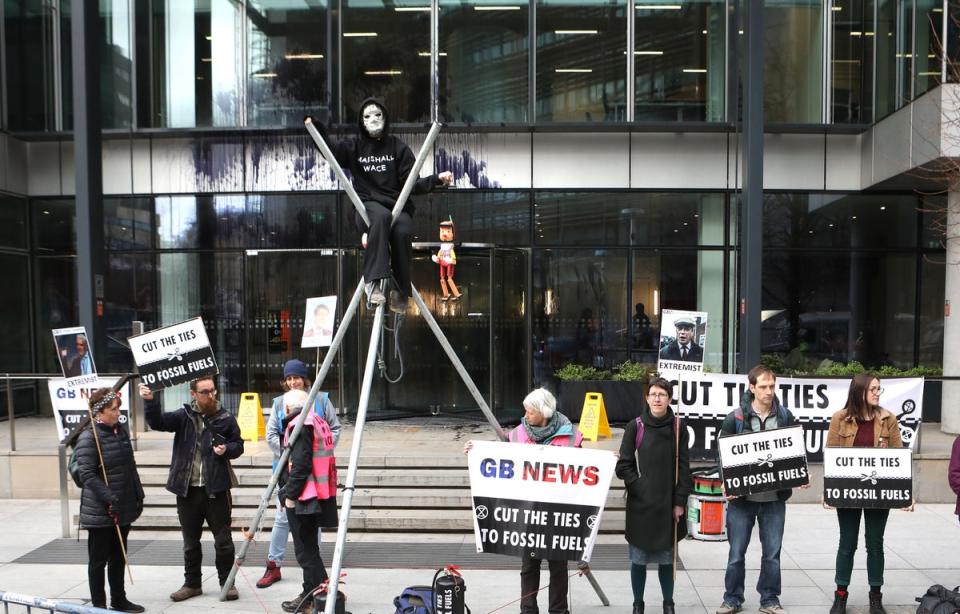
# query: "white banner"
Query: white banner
70,404
543,499
706,399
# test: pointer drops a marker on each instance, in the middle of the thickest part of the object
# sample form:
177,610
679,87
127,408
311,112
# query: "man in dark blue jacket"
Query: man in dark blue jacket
207,438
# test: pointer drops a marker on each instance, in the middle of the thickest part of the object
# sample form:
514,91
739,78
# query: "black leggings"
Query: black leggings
103,550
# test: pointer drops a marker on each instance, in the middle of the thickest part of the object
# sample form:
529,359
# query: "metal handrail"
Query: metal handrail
51,605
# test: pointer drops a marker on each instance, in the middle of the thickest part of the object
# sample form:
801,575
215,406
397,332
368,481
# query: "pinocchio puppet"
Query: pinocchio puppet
447,259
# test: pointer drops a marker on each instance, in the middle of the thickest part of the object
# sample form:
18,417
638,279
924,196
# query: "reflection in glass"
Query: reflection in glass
55,301
579,309
288,59
852,61
638,218
680,61
197,63
295,220
13,222
927,49
932,281
894,55
28,28
15,350
116,63
206,222
54,227
581,60
126,223
129,296
382,57
793,61
501,218
484,52
851,306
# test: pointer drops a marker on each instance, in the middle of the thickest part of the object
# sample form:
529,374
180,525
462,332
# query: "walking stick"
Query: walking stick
96,438
676,469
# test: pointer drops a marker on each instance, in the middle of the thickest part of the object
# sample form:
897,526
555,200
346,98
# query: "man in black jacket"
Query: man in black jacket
379,164
207,438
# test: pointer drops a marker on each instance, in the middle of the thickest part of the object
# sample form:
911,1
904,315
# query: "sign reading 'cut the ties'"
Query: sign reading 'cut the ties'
173,354
763,460
547,500
868,477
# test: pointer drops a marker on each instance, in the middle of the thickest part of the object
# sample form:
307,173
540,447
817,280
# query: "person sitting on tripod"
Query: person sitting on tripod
379,164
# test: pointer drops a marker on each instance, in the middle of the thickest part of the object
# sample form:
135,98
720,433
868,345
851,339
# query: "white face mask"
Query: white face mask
373,120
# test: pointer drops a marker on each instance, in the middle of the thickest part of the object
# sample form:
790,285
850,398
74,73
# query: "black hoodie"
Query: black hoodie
379,166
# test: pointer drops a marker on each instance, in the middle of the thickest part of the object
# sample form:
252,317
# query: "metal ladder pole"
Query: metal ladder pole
298,426
347,502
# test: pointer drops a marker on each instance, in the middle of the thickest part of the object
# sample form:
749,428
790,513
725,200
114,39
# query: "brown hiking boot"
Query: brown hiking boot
271,575
185,592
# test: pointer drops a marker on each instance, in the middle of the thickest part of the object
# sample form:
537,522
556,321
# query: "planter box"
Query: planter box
622,400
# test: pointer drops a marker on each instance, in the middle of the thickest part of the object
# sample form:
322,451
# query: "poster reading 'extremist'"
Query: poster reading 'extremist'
75,355
868,477
173,354
683,337
762,461
547,500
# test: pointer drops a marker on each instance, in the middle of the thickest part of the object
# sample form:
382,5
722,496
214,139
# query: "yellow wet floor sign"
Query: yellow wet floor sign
250,417
593,418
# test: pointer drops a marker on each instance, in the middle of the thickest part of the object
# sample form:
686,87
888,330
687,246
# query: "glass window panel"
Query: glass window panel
197,63
209,286
28,26
934,221
581,60
852,63
635,218
206,222
680,61
55,282
894,55
932,279
295,220
927,50
484,53
500,218
116,64
13,222
838,220
54,225
382,47
839,306
288,61
127,223
15,351
130,288
793,63
579,309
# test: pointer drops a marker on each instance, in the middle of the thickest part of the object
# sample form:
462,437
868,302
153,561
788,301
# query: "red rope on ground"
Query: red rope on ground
547,585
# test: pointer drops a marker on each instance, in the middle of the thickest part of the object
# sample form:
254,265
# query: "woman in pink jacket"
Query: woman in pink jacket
954,473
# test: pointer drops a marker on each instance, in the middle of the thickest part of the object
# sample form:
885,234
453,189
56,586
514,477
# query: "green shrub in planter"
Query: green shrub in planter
572,372
631,371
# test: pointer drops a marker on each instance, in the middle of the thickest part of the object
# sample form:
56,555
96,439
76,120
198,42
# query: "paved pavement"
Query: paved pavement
922,548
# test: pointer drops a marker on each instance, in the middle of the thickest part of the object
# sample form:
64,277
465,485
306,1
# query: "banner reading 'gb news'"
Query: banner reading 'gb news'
705,399
542,499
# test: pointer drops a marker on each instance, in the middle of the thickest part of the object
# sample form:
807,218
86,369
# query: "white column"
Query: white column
950,401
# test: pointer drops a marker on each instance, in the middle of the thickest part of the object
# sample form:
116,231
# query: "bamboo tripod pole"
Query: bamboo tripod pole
676,470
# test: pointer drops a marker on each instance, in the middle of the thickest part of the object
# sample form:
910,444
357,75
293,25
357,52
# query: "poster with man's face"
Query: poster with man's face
683,339
318,321
76,359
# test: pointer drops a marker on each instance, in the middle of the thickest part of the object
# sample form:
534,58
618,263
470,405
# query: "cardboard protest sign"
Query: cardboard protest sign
547,500
75,356
173,354
762,461
705,399
874,478
683,338
70,405
318,321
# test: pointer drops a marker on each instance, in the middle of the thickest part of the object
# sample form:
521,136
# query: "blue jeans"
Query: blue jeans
280,534
741,515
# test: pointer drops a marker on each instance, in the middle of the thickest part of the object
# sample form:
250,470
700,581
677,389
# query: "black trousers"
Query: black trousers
103,551
530,582
193,510
388,249
304,528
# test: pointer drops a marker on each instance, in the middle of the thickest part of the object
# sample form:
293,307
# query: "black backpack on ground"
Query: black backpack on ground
939,600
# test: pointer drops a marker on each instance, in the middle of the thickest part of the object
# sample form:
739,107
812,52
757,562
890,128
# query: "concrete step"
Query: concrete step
259,476
376,520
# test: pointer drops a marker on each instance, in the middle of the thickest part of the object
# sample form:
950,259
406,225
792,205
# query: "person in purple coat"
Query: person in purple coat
954,473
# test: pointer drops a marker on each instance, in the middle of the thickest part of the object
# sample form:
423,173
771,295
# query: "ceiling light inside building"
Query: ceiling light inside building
695,70
647,52
426,54
574,31
573,70
412,9
382,73
659,7
304,56
496,8
264,75
358,34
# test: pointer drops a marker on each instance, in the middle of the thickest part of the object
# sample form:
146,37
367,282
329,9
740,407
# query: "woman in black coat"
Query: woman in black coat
108,504
658,482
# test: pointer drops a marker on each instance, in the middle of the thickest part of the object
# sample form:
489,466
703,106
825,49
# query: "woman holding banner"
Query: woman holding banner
862,423
111,501
655,468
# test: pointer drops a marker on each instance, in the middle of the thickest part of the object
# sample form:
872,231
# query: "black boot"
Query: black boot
876,603
125,605
637,607
668,607
839,603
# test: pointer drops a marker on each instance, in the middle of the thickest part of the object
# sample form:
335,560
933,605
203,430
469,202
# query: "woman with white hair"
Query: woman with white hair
309,493
542,425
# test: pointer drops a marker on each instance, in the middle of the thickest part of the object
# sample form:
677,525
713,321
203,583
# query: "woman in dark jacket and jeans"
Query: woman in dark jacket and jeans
656,473
106,504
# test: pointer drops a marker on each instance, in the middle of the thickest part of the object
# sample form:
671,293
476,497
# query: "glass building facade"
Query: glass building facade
557,274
